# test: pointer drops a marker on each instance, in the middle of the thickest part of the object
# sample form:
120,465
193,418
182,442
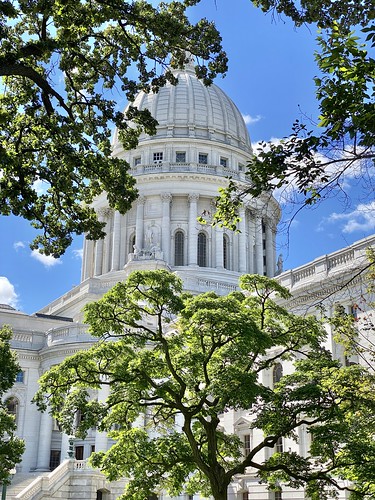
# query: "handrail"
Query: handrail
49,482
45,483
349,258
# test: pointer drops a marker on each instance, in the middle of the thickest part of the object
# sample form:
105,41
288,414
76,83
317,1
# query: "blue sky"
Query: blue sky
270,78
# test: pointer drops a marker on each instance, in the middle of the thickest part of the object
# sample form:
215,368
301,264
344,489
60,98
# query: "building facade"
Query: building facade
201,140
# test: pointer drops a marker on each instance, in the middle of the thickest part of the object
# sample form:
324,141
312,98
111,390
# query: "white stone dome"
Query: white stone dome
193,110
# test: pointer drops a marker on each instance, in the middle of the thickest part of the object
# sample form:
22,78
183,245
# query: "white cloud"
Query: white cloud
7,292
18,244
46,260
41,186
250,120
351,169
361,219
78,254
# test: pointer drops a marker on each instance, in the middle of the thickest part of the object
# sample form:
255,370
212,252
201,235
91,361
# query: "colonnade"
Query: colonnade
251,250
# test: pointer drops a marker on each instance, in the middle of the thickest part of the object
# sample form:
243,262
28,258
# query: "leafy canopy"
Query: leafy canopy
318,157
11,447
174,364
64,65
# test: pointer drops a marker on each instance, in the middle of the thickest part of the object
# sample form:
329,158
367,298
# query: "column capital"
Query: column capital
166,197
193,197
141,200
104,212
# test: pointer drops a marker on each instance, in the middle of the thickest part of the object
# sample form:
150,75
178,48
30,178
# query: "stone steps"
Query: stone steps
20,482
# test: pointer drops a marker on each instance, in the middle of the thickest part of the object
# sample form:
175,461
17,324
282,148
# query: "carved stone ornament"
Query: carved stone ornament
193,197
166,197
104,212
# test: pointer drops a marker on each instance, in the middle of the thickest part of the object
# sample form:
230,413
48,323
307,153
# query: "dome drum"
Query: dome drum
201,140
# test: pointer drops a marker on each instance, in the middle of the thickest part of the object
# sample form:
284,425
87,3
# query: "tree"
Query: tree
64,64
11,447
318,157
183,361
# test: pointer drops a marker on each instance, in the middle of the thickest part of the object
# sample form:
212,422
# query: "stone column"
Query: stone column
274,232
166,199
44,443
98,257
88,259
258,245
192,236
101,438
242,241
251,243
220,247
124,242
107,246
139,223
270,261
84,260
116,241
99,246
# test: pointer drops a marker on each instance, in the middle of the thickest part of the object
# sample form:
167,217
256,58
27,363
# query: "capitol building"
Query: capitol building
201,140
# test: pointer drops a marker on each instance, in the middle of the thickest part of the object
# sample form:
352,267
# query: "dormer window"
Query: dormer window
203,158
158,157
223,161
180,157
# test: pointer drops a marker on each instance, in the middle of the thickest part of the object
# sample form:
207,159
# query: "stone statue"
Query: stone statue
152,238
279,264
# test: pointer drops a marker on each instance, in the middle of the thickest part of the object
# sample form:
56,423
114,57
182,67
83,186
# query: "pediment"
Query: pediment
243,423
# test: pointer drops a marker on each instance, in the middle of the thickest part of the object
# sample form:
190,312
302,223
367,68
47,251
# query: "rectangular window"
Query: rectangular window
279,445
240,167
181,157
158,157
223,161
137,161
247,444
54,459
79,452
92,449
203,158
20,377
245,495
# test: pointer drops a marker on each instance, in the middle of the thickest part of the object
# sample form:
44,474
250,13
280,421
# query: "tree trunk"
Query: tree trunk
220,493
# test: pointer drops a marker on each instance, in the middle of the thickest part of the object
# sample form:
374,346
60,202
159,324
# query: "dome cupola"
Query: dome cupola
193,110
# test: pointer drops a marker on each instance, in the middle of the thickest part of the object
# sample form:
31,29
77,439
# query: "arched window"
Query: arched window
102,494
279,445
225,251
132,244
202,250
179,248
277,373
12,406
